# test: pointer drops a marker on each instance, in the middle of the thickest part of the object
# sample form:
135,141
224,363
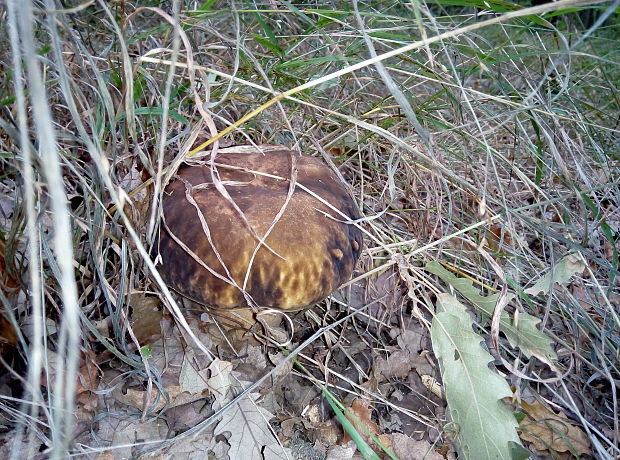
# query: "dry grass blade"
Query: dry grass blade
477,136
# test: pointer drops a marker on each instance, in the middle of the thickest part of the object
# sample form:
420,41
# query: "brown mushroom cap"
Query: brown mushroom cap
315,250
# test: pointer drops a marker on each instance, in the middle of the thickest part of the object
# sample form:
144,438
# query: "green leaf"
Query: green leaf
44,50
333,14
270,41
486,428
155,111
139,86
267,44
521,333
560,273
9,100
300,14
309,62
206,6
499,6
146,351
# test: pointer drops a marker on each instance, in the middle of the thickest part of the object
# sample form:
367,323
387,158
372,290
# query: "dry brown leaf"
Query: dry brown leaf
433,385
193,385
219,380
547,430
582,295
362,410
405,448
192,378
385,285
124,433
496,236
135,398
8,283
328,433
284,370
250,435
397,365
87,379
169,353
9,286
343,452
8,337
313,414
89,376
183,417
139,204
609,250
186,373
411,340
145,317
106,455
194,448
422,364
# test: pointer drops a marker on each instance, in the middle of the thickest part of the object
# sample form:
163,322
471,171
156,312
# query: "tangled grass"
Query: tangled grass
470,133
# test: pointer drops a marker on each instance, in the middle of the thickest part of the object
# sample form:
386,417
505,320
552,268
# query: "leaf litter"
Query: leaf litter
259,423
193,386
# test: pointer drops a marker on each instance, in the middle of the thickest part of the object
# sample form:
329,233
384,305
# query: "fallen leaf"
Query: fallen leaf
433,385
184,372
422,364
424,406
192,448
183,417
345,452
145,317
284,369
497,237
9,287
8,337
8,283
362,410
560,273
548,431
191,379
106,455
397,365
411,340
521,330
219,380
87,379
251,436
176,395
486,427
313,414
405,447
121,435
328,433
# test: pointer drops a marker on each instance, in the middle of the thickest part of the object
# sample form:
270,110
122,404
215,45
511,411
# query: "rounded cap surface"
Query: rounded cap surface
209,250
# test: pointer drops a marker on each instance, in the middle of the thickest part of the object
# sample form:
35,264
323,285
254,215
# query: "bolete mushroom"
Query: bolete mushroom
214,250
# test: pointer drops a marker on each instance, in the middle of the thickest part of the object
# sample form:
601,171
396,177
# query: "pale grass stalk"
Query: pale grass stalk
33,399
62,389
119,197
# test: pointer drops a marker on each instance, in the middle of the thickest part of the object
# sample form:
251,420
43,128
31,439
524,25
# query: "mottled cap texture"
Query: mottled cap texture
209,250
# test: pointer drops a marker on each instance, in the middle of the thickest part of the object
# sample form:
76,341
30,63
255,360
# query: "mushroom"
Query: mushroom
214,251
